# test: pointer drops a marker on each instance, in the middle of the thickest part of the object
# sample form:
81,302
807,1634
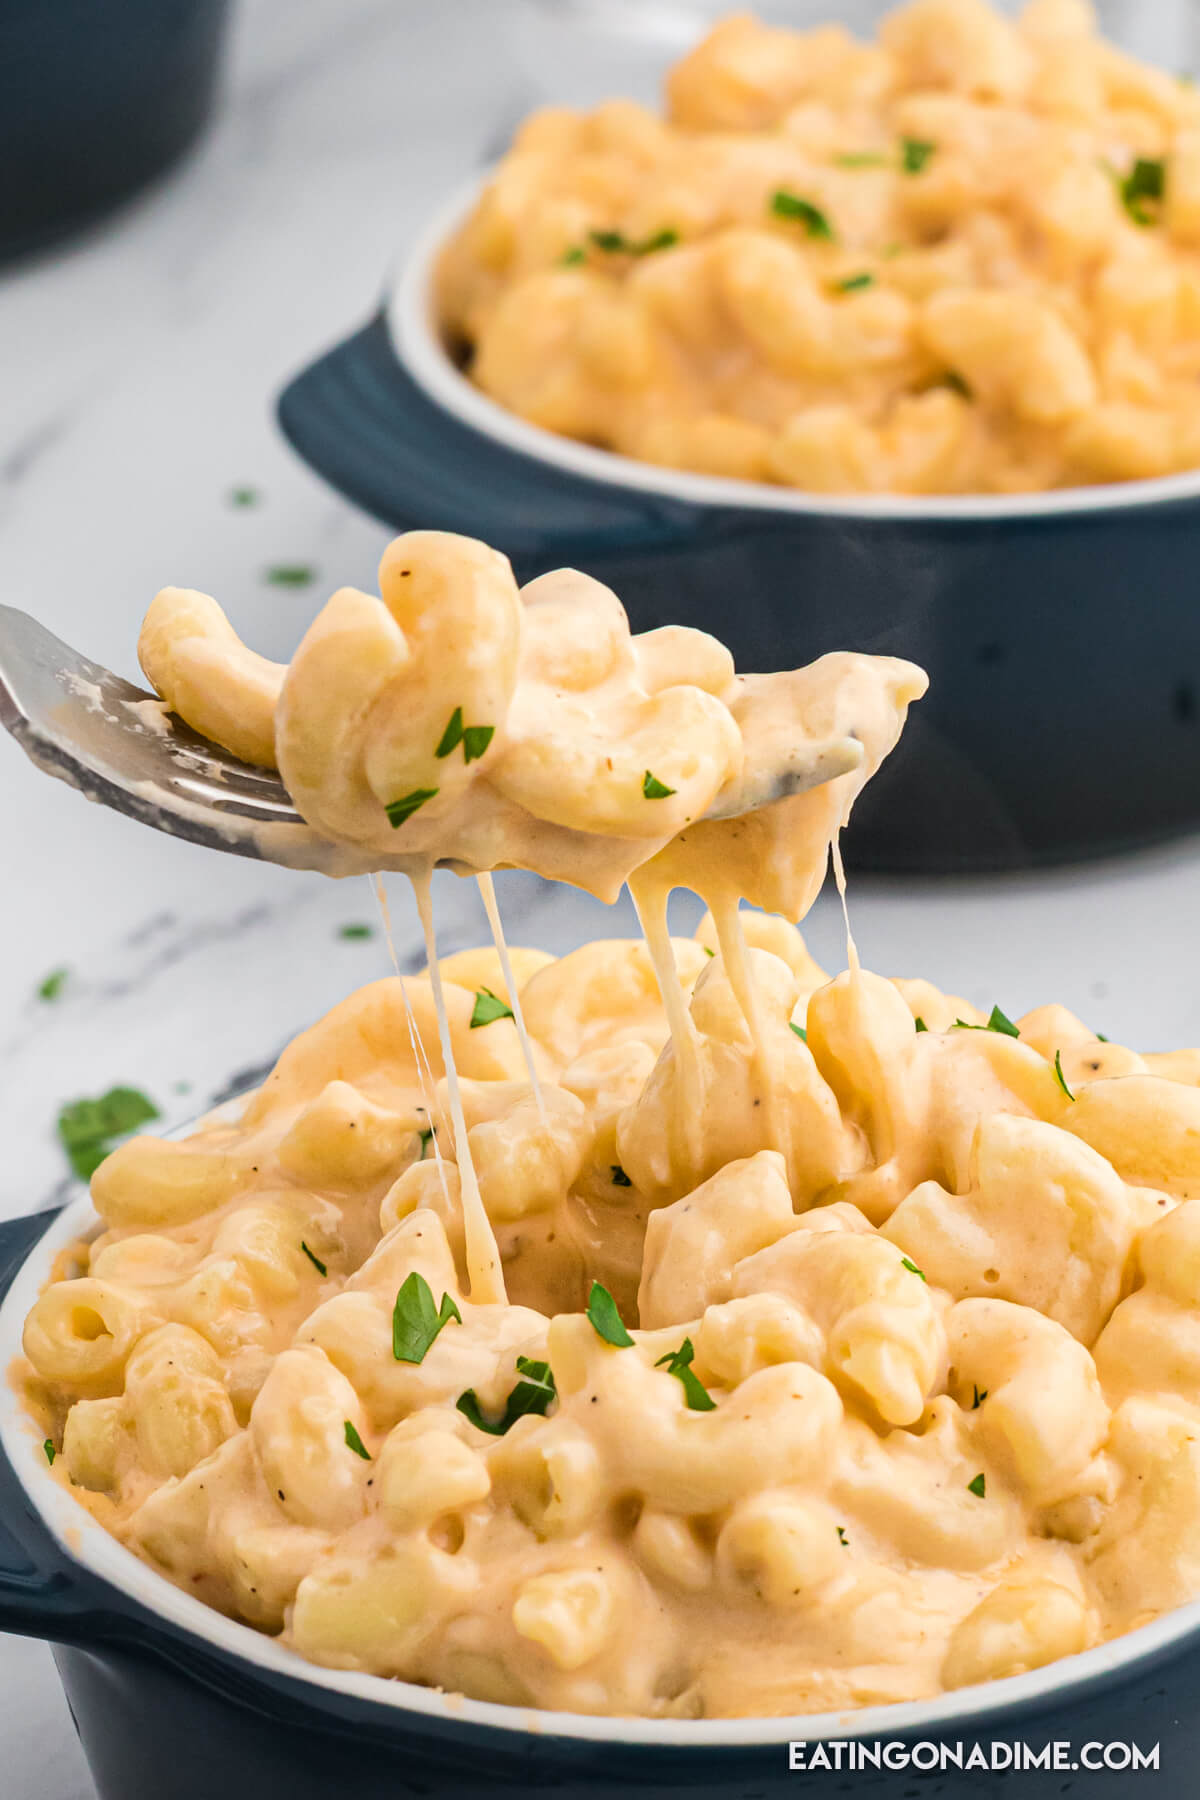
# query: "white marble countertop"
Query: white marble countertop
140,370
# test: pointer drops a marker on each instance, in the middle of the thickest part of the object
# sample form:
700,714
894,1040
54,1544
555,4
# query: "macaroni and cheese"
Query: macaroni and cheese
962,258
664,1329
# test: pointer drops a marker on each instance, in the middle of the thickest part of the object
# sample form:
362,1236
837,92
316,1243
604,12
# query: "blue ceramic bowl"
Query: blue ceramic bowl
1061,630
174,1702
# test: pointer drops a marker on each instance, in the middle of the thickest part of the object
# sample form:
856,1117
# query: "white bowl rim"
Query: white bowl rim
409,315
85,1542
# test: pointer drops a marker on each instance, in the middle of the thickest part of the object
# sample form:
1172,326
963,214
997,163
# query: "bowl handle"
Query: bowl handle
360,419
42,1593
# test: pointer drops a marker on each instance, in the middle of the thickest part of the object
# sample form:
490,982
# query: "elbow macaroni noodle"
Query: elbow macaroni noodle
962,258
894,1382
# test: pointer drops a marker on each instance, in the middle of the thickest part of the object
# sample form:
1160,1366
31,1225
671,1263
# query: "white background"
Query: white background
138,372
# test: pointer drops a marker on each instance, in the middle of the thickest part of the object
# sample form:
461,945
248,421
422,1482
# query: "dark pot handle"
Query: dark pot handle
358,417
42,1593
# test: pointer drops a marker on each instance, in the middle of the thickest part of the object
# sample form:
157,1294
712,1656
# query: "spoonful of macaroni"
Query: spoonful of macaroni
452,719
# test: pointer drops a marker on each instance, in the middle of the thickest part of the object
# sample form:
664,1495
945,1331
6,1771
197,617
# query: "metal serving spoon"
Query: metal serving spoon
118,744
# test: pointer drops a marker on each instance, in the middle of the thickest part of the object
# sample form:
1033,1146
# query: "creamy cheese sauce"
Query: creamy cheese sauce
891,1381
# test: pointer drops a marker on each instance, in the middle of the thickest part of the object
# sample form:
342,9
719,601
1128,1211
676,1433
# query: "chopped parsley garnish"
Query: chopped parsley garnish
786,205
615,243
799,1030
50,1452
978,1487
842,1538
576,254
679,1364
316,1262
605,1319
473,738
1142,190
353,932
920,1024
654,789
853,284
996,1022
290,574
476,739
89,1129
426,1139
416,1321
914,154
399,811
619,1177
533,1394
244,496
861,159
52,985
355,1443
452,736
1060,1077
1101,1039
980,1395
488,1008
954,381
906,1262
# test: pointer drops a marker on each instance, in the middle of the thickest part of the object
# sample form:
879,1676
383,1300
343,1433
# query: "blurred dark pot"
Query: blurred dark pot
97,97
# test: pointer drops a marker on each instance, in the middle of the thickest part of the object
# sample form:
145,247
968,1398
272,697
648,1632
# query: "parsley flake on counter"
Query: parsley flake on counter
452,736
1142,190
400,811
799,1030
920,1024
914,154
488,1008
89,1129
619,1177
355,1443
861,159
853,284
786,205
906,1262
316,1262
615,243
290,574
244,496
679,1364
980,1395
1060,1077
534,1394
978,1487
843,1540
416,1321
50,1451
52,985
606,1320
997,1021
654,789
351,933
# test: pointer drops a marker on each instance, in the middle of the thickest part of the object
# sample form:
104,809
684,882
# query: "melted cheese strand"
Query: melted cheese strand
732,939
491,907
484,1274
650,904
420,1056
839,876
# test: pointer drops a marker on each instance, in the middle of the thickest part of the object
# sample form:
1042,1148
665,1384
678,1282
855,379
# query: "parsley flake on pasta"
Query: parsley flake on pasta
535,1393
679,1364
606,1319
488,1008
354,1442
416,1320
